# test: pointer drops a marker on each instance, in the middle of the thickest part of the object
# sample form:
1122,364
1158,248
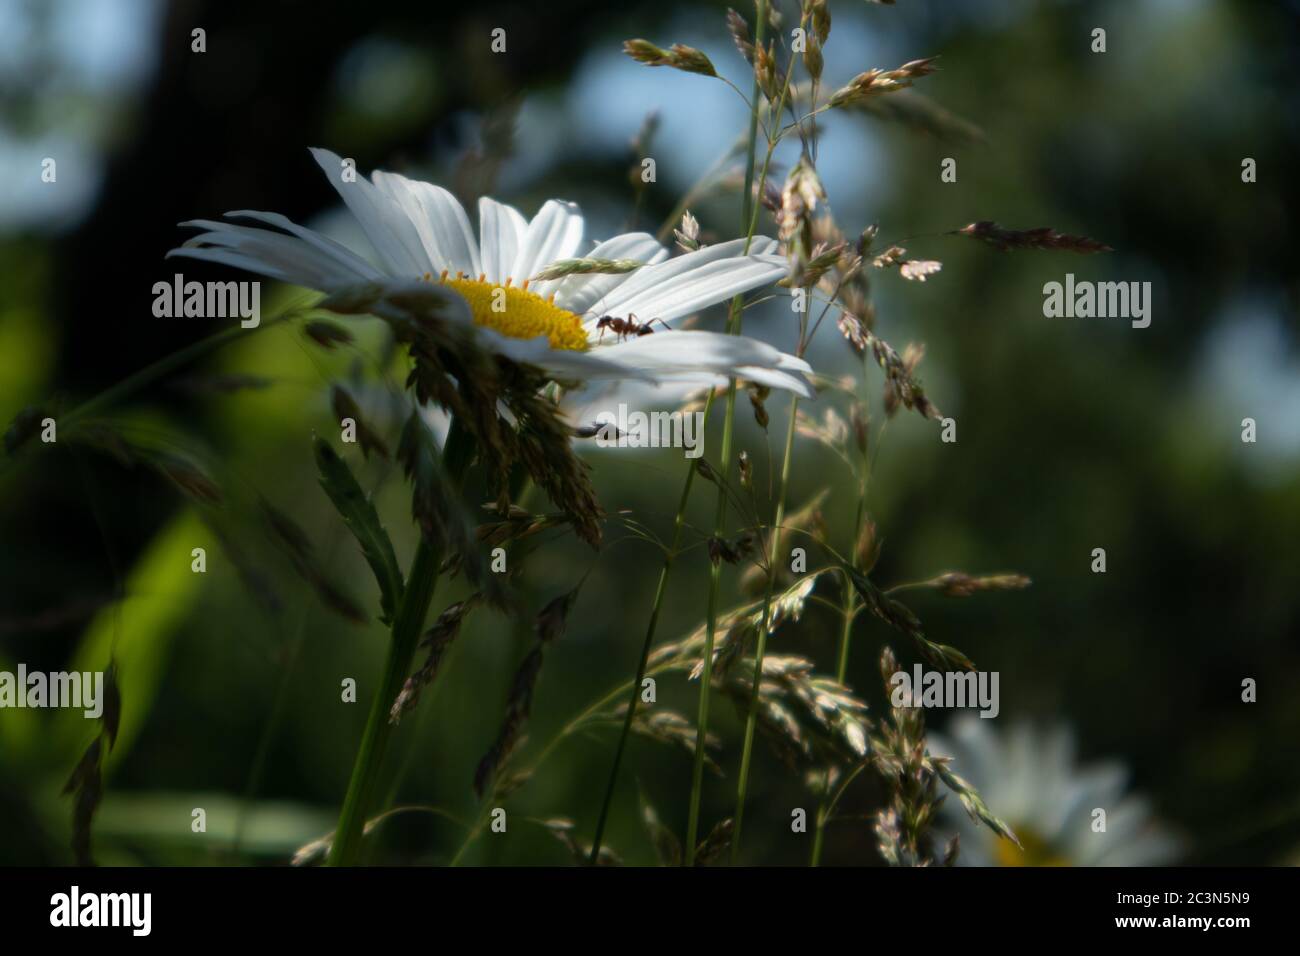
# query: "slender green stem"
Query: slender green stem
846,631
660,590
760,648
546,751
706,678
850,612
407,627
748,219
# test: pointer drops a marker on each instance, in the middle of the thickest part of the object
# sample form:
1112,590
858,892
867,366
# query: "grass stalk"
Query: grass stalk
407,627
661,589
760,647
748,219
850,612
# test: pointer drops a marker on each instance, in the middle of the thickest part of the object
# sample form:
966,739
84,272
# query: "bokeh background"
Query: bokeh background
1073,434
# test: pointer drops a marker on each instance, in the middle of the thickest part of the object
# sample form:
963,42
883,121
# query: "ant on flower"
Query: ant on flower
623,328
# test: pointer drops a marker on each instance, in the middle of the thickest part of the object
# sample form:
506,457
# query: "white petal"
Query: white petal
439,220
555,233
562,363
578,292
686,284
385,224
670,356
272,254
501,232
240,261
340,253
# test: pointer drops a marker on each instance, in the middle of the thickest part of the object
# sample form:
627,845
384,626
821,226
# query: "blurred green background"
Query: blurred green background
1073,433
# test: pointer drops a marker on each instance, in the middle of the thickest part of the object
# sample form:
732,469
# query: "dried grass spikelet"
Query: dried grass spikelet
436,640
678,56
1043,237
345,407
666,727
688,233
819,13
589,266
961,584
767,73
912,269
832,431
917,269
516,524
835,266
739,31
562,829
519,704
715,844
900,617
735,629
800,197
451,369
899,755
901,384
813,61
549,626
912,774
667,847
874,82
801,713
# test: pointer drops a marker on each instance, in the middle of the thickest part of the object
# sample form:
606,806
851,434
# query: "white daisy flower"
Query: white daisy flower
1030,780
420,233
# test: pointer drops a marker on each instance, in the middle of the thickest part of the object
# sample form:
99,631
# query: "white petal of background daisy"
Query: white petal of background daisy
1030,779
420,233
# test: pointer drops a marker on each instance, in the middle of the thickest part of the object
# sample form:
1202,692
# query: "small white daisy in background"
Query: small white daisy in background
1030,779
421,234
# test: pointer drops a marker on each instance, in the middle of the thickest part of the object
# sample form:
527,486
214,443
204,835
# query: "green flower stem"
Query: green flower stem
660,590
846,631
748,220
761,645
706,678
824,811
407,627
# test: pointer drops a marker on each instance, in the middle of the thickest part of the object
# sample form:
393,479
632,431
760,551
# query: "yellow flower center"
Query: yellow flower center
518,313
1037,851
